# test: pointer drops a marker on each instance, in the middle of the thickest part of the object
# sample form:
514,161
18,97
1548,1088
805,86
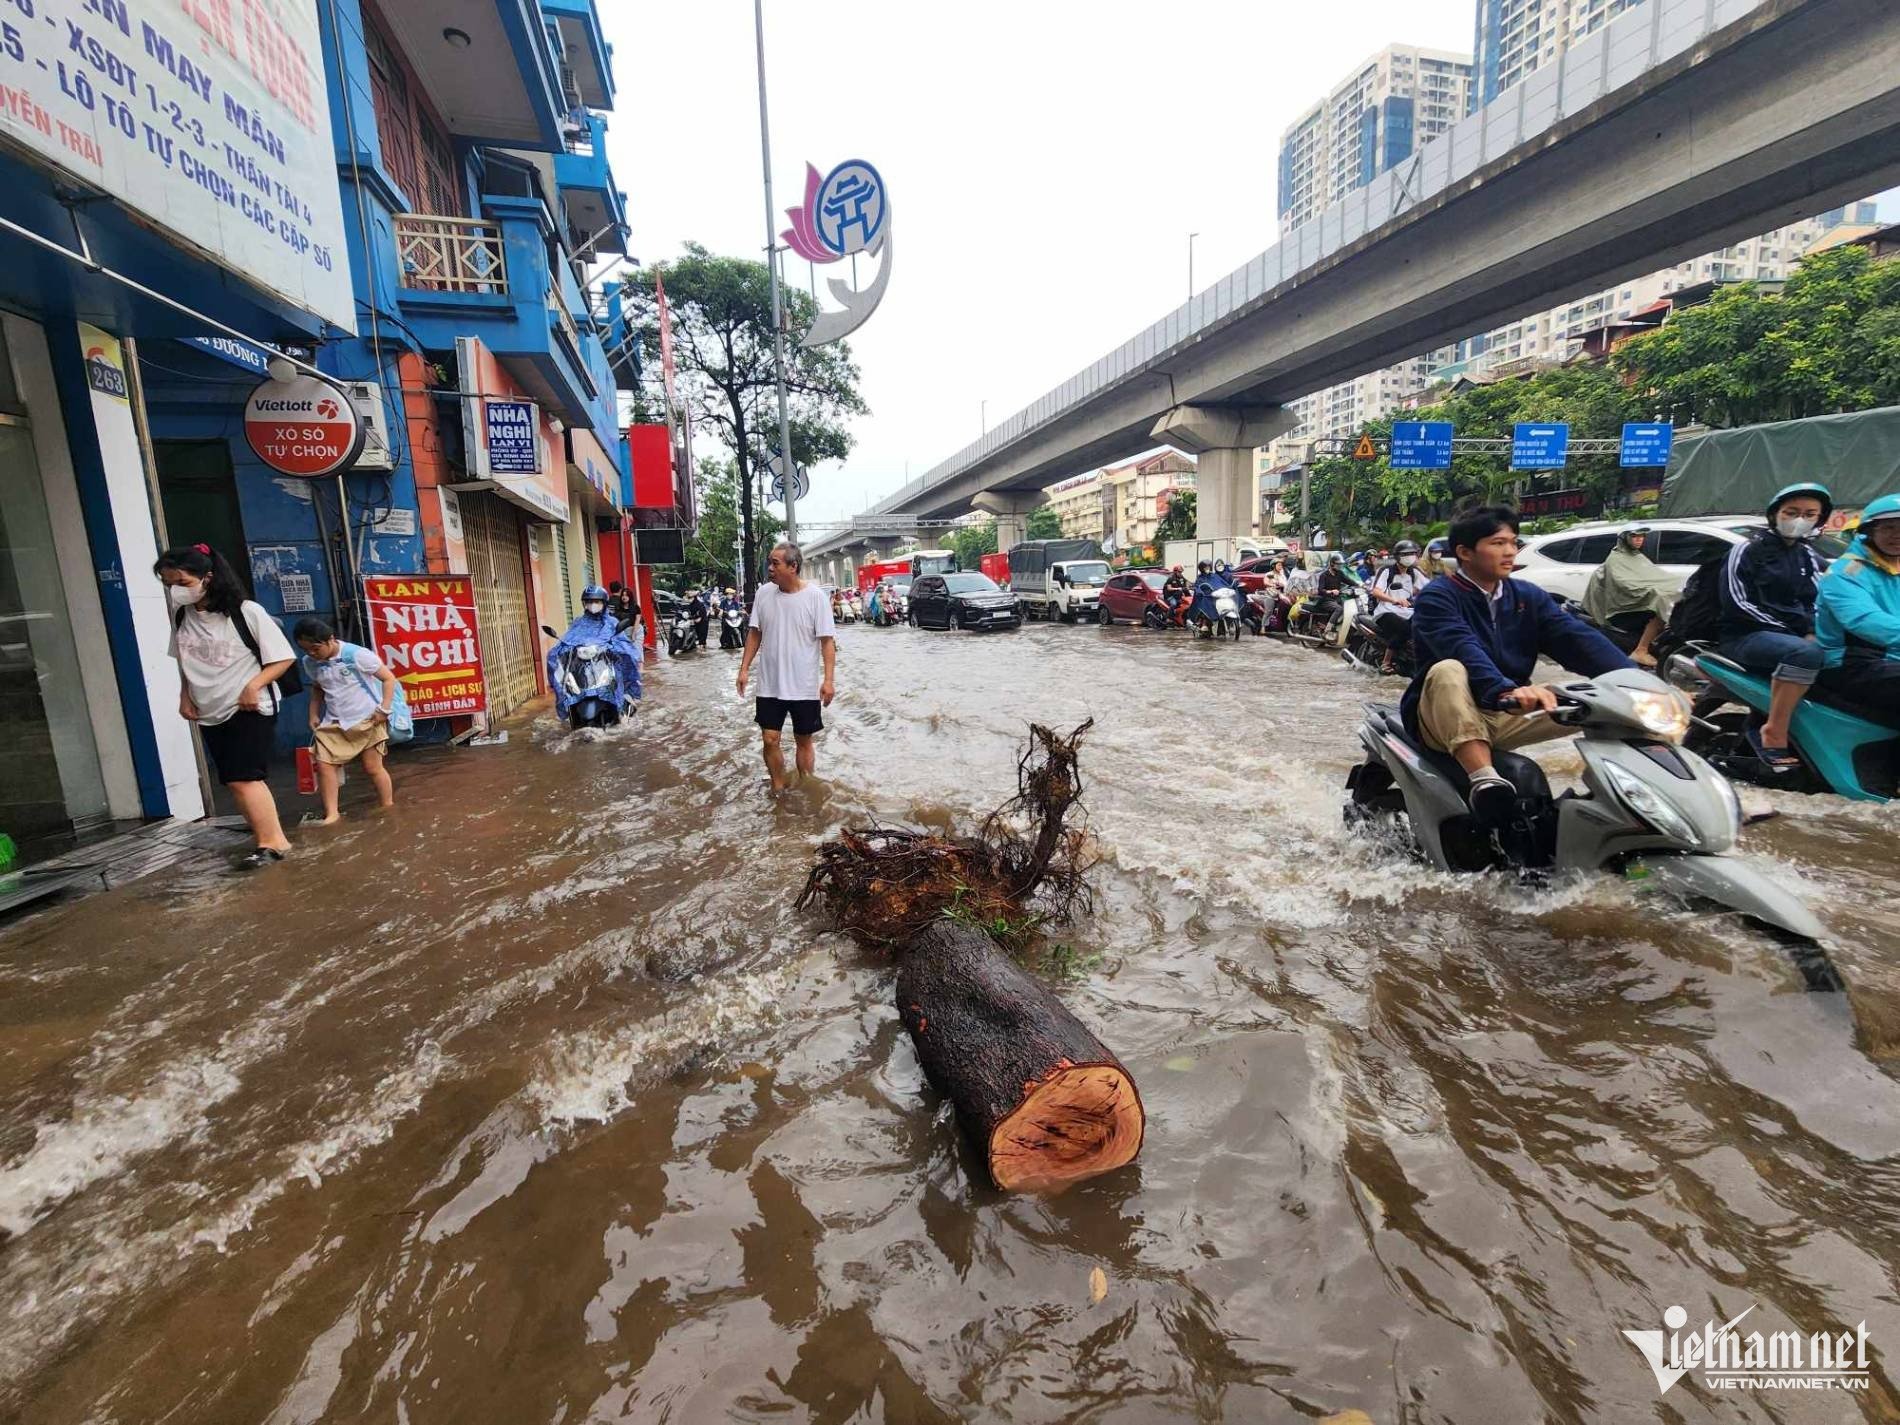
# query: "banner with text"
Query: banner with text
424,629
210,120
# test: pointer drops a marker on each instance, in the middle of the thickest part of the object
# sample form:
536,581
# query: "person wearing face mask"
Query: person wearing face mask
1858,619
230,655
1394,589
596,625
1768,591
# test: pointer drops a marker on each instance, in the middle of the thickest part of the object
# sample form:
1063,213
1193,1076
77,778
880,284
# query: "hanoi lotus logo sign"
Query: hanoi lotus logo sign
846,212
1731,1360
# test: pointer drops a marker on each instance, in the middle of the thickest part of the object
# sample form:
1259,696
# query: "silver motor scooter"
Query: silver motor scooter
1651,808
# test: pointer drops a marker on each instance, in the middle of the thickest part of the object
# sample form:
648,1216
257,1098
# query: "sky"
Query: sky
1046,161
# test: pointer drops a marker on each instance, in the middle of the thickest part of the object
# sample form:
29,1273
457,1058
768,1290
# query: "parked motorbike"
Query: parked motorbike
732,628
588,677
1841,751
683,636
1651,809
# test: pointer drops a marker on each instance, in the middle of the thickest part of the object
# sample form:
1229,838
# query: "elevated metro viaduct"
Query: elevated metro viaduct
1681,126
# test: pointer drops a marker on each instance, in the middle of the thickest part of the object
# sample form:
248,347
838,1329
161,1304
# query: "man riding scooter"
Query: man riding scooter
1394,589
1478,634
606,636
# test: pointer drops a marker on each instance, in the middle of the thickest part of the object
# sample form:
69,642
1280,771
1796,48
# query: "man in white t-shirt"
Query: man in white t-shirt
794,640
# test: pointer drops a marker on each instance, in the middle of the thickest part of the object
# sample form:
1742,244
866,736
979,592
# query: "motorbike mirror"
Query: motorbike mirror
549,632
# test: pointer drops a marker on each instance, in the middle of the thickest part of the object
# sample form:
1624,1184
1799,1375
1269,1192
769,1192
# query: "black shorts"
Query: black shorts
239,747
806,716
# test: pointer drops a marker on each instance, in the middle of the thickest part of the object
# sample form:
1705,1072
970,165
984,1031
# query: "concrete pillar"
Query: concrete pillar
1011,508
1226,479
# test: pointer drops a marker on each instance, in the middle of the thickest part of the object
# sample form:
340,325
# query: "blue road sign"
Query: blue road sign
1540,447
1647,444
1421,445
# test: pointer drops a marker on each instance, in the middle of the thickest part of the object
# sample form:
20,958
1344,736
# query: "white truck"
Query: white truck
1058,578
1188,553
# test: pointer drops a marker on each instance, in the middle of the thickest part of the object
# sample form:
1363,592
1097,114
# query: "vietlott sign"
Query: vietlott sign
1732,1360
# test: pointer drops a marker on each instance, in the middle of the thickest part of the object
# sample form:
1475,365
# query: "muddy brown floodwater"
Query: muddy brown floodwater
536,1101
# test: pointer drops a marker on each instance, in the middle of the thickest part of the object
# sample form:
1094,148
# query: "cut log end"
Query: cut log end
1079,1121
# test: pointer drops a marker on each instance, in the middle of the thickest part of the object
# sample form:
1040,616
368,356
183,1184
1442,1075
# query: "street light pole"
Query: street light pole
983,417
1191,237
778,316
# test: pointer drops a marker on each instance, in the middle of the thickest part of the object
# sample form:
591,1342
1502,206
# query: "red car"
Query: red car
1128,596
1251,574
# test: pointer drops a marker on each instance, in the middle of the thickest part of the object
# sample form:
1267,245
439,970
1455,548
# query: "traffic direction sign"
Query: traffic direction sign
1647,444
1421,445
1540,447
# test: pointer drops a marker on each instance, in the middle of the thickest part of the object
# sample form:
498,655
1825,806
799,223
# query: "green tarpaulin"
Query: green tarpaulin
1736,472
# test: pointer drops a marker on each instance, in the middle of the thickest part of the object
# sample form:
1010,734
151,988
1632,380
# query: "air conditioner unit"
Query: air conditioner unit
367,397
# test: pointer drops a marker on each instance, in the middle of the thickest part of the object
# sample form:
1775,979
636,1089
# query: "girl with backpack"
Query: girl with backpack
232,658
356,709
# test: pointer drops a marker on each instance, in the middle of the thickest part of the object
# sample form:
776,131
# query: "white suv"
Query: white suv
1562,563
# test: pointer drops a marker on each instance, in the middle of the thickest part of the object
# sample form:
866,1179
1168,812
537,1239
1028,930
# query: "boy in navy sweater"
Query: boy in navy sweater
1478,633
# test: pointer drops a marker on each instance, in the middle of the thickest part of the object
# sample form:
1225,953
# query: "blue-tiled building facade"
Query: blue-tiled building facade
410,198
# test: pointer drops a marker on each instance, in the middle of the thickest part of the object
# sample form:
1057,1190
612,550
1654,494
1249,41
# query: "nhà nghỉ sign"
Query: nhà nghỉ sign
423,627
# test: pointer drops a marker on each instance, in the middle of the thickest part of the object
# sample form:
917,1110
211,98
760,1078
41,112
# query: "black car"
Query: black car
961,601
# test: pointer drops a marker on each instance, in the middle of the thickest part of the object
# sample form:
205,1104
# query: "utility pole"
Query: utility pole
1191,237
983,418
778,311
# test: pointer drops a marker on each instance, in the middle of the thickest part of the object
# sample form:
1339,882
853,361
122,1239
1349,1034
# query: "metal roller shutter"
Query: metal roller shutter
492,532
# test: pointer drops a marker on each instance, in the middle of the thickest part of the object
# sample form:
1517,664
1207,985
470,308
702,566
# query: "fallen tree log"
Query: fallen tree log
1037,1093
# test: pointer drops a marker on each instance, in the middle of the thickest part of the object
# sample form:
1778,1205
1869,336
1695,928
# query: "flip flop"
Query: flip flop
1775,759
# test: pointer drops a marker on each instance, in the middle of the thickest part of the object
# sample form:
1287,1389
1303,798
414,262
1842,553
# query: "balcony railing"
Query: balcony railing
559,308
443,254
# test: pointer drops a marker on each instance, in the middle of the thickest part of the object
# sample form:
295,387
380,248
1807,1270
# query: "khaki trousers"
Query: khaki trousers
1448,716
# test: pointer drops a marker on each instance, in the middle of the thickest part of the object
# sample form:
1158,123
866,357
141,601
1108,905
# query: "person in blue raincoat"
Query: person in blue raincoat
1209,578
597,625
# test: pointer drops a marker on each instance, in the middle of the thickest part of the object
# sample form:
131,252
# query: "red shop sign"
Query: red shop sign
304,426
424,629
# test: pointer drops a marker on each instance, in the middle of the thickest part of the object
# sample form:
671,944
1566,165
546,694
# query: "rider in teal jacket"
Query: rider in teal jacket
1857,616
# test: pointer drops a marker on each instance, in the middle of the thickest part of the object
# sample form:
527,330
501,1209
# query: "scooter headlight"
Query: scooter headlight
1662,713
1650,804
587,652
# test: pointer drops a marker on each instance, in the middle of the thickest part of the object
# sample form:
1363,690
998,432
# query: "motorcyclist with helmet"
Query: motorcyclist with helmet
1394,589
1768,594
1176,593
1857,622
596,625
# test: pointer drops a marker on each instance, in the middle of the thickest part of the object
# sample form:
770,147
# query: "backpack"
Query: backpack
1697,616
289,685
402,723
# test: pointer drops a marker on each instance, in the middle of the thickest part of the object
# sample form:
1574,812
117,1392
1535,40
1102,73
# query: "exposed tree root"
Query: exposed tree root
1025,866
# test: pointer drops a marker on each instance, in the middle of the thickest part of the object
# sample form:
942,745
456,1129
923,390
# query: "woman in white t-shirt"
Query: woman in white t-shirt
227,682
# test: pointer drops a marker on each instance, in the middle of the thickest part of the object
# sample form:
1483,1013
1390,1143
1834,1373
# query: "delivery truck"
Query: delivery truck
1058,578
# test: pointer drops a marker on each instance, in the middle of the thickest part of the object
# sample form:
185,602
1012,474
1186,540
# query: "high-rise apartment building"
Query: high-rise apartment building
1514,37
1378,116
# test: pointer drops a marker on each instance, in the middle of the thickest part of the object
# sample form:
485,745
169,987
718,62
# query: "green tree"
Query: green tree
727,373
712,554
1181,520
1829,341
1043,523
972,541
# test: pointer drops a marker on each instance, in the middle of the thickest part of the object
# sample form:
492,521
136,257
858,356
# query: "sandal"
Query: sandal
1775,759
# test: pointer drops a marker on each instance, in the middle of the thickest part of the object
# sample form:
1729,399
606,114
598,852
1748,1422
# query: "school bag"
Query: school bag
402,723
289,685
1697,615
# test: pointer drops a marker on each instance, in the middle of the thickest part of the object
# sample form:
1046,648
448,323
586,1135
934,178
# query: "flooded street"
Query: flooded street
536,1100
